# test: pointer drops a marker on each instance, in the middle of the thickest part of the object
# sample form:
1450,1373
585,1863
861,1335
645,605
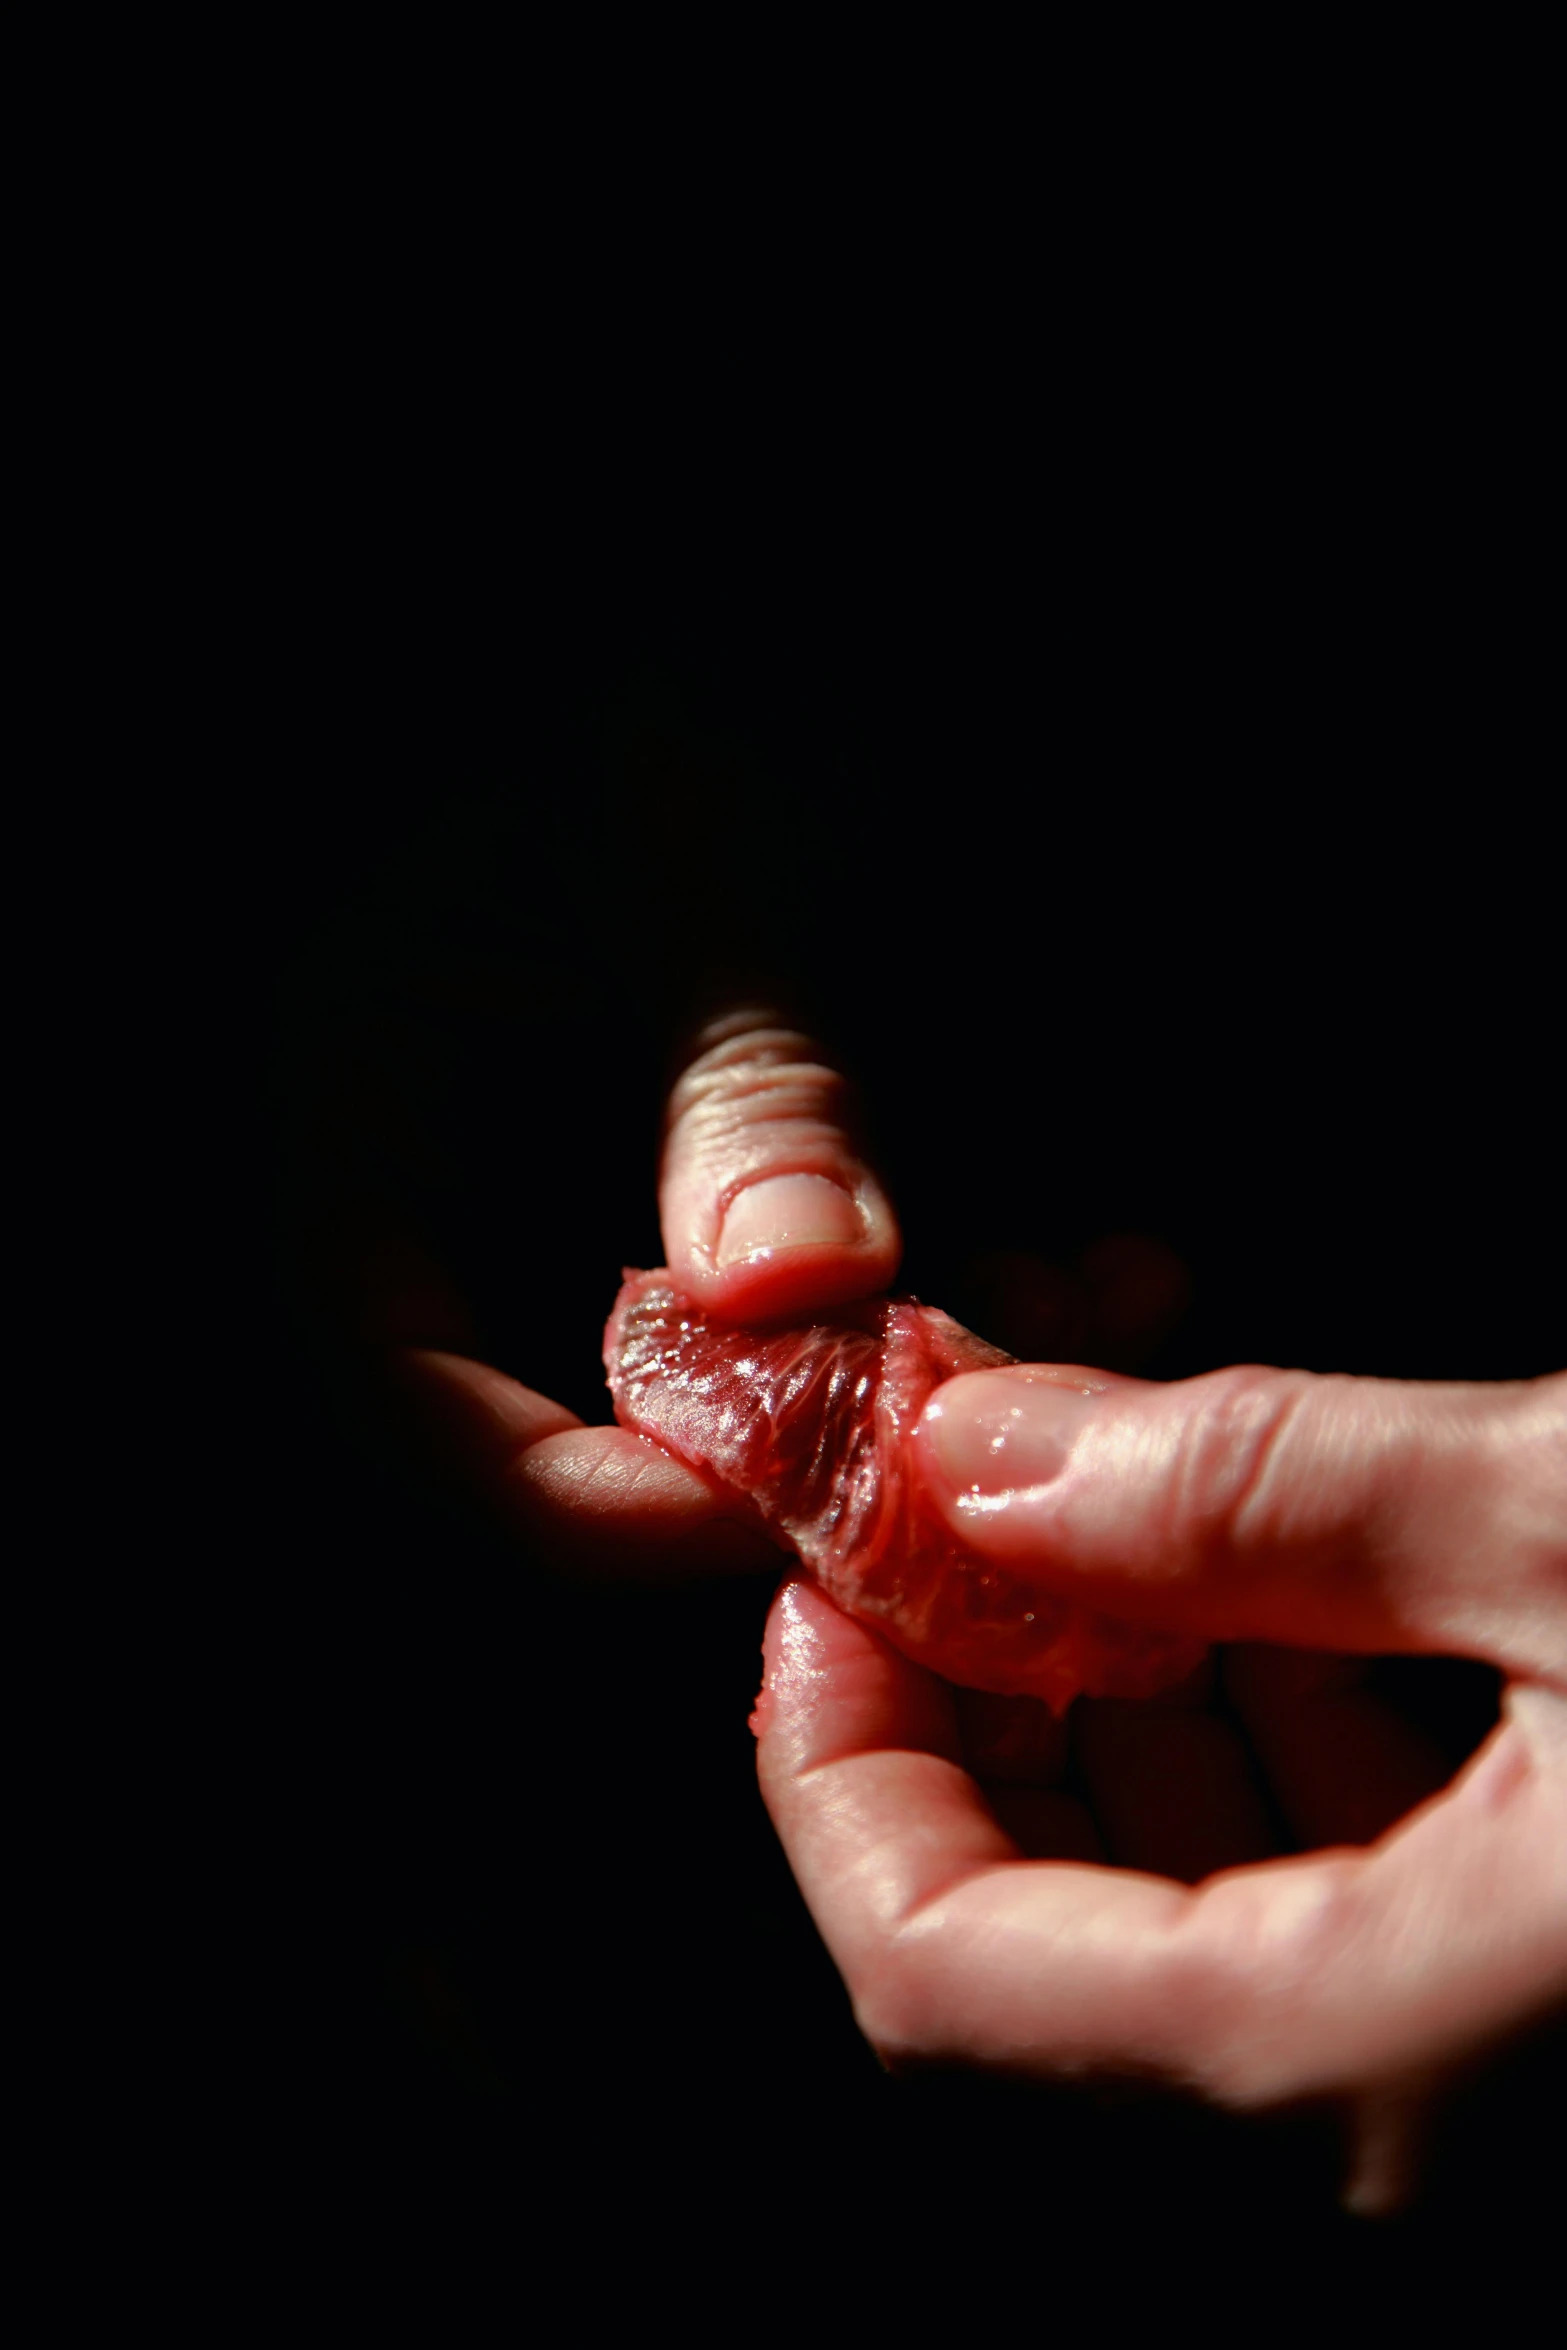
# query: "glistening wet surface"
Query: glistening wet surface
812,1425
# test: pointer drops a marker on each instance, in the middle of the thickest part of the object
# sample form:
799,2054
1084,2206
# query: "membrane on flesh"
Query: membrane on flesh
813,1426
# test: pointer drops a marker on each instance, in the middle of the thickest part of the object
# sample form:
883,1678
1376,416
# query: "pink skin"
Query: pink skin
1313,1515
768,1210
1372,1515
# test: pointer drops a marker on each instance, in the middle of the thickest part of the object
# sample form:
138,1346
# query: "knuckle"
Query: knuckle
761,1099
1233,1479
911,1993
760,1072
893,2010
1260,1999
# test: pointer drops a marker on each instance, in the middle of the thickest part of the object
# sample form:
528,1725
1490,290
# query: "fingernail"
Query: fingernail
992,1432
787,1211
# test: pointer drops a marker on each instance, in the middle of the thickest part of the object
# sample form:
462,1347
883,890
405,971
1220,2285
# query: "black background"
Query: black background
523,549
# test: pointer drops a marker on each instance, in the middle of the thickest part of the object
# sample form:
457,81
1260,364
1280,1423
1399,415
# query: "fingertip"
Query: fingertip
834,1688
803,1210
791,1246
803,1637
799,1282
986,1436
601,1501
768,1209
595,1500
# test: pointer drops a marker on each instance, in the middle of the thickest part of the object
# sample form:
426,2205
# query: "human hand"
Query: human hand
1261,1888
766,1204
1271,1901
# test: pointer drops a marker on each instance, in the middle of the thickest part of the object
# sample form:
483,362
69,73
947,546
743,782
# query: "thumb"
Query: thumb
1365,1515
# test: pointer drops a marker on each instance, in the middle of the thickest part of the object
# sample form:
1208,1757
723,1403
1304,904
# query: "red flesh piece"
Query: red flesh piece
813,1425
